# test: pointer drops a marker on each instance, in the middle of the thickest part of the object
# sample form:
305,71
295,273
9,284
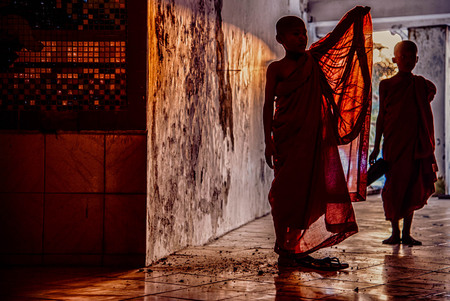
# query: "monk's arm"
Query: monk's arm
431,90
379,125
268,114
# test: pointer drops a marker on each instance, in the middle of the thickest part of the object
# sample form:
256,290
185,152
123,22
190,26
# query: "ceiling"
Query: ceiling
323,15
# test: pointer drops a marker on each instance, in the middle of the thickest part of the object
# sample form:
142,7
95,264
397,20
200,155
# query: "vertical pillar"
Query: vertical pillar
434,53
447,112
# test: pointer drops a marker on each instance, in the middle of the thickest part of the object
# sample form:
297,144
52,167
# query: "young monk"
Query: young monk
406,122
322,97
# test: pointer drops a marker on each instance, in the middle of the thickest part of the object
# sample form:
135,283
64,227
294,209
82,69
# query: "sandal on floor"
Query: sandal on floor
392,241
304,261
411,242
328,264
292,261
284,261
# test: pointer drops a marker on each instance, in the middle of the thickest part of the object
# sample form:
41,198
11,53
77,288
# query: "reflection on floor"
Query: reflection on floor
242,266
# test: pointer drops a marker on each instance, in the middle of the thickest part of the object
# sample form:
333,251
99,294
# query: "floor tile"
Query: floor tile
256,296
186,279
430,281
201,293
391,291
306,292
242,286
157,298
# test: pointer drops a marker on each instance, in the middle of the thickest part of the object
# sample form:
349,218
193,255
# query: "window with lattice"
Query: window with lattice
61,55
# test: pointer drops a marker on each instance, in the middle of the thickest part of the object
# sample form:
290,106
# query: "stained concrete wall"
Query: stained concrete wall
206,173
433,51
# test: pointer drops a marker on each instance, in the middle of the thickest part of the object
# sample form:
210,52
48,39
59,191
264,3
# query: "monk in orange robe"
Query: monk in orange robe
322,99
406,121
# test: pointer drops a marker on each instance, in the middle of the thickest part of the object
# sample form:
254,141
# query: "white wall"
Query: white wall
206,172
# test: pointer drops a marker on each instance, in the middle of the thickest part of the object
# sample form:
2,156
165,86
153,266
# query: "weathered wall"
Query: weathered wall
206,173
432,43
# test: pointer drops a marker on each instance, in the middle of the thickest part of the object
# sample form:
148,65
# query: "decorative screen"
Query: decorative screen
63,55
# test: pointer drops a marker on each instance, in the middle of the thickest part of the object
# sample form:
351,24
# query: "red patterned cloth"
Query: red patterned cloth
324,103
408,145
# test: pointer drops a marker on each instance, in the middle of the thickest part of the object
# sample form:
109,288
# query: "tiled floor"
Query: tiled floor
242,266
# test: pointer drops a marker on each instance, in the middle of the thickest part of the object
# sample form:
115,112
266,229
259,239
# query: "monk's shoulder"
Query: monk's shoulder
385,84
273,71
281,69
275,68
426,86
428,82
391,83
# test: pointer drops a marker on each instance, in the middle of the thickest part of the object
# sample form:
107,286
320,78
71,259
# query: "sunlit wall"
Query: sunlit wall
206,174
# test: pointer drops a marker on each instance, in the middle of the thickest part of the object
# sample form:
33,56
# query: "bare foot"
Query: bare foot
393,240
408,240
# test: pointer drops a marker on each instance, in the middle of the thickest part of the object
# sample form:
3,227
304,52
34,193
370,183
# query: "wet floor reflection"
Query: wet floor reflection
242,266
296,283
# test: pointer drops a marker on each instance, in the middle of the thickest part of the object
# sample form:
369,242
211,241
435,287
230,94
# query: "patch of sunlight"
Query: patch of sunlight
384,43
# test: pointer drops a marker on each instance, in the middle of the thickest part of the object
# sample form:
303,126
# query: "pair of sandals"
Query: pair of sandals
324,264
407,241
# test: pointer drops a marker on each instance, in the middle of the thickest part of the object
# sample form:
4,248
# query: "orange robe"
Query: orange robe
408,144
325,102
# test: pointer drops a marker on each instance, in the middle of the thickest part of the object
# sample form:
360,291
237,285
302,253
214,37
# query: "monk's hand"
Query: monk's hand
374,155
269,152
364,10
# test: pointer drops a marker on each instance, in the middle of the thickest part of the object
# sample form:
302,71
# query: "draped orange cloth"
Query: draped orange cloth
325,102
408,145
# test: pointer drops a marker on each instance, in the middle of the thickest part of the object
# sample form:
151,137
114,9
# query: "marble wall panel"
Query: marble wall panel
126,163
21,163
73,223
125,224
74,163
72,259
126,260
21,223
73,199
16,259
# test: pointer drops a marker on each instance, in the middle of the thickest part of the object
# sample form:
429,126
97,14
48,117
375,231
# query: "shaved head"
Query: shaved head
405,46
288,22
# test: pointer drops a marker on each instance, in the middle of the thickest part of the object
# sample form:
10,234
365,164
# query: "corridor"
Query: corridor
242,266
